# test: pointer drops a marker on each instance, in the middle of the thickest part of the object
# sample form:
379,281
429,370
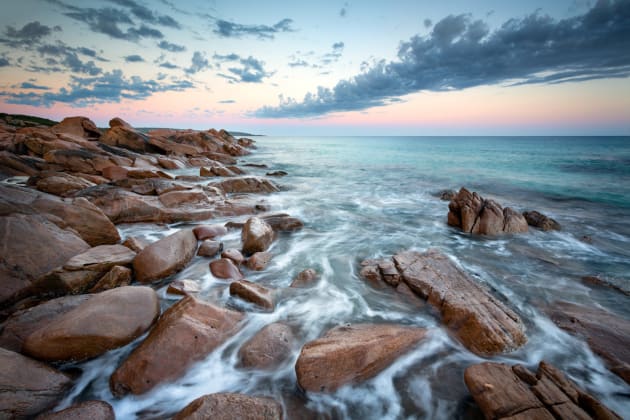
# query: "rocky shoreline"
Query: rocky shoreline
73,288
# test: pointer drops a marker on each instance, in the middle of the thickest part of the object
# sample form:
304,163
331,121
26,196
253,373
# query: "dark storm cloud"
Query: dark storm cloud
461,53
228,29
251,70
198,63
167,46
109,87
134,58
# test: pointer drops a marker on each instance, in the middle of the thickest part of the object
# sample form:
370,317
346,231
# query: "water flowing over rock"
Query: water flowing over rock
268,348
305,278
607,334
480,321
352,354
165,257
183,287
105,321
28,387
473,214
253,293
186,333
93,410
226,406
256,236
516,393
281,222
540,221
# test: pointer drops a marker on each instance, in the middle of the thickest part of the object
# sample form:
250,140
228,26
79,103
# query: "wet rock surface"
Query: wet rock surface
540,221
253,293
165,257
225,268
270,347
227,406
92,410
257,236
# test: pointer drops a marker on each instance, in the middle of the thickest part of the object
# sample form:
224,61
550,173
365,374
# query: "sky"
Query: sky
402,67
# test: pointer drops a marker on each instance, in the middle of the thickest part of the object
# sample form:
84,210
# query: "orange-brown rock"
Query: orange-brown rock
209,231
607,334
234,255
116,277
224,268
473,214
305,278
105,321
215,170
177,198
165,257
268,348
183,287
185,334
259,261
351,354
540,221
281,222
226,406
504,392
125,136
59,183
256,236
209,248
78,126
28,387
479,320
249,184
93,410
80,160
253,293
135,243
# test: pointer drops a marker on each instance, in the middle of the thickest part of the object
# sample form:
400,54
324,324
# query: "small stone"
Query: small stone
234,255
259,261
209,248
305,278
225,269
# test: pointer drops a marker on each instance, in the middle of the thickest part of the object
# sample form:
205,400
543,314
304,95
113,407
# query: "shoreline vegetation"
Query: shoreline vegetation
74,289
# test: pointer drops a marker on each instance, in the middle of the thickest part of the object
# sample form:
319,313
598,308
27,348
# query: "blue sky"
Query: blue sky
328,67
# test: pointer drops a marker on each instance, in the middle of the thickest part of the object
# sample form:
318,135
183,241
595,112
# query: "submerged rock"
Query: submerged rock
514,392
473,214
226,406
184,334
268,348
540,221
305,278
165,257
352,354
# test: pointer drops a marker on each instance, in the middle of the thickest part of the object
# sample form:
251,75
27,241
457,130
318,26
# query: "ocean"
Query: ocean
368,197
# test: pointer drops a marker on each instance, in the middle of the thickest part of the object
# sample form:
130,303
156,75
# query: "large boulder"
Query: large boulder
165,257
123,135
473,214
186,333
479,320
80,160
256,236
514,392
78,126
351,354
93,410
106,321
59,183
607,334
540,221
227,406
268,348
28,387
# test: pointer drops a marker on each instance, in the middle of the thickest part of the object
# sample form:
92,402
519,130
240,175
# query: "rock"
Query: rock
224,268
136,244
186,333
281,222
234,255
216,170
253,293
59,183
256,236
28,387
597,281
105,321
93,410
540,221
165,257
115,172
481,322
78,126
351,354
268,348
277,173
171,163
226,406
209,248
249,184
24,322
177,198
80,160
259,261
446,195
305,278
607,334
473,214
116,277
101,258
209,231
32,246
514,392
183,287
127,137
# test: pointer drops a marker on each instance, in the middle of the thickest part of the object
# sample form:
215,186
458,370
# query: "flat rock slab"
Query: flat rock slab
253,293
165,257
101,258
28,387
503,391
607,334
186,333
103,322
480,321
227,406
92,410
352,354
250,184
268,348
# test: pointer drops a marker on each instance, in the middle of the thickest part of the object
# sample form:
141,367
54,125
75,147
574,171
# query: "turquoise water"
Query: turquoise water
371,197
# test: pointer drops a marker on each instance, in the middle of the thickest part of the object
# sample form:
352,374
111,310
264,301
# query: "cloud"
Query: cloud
146,15
334,55
67,56
29,34
427,23
167,46
4,62
199,63
109,87
252,70
228,101
134,58
461,53
228,29
343,12
298,63
168,65
29,85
